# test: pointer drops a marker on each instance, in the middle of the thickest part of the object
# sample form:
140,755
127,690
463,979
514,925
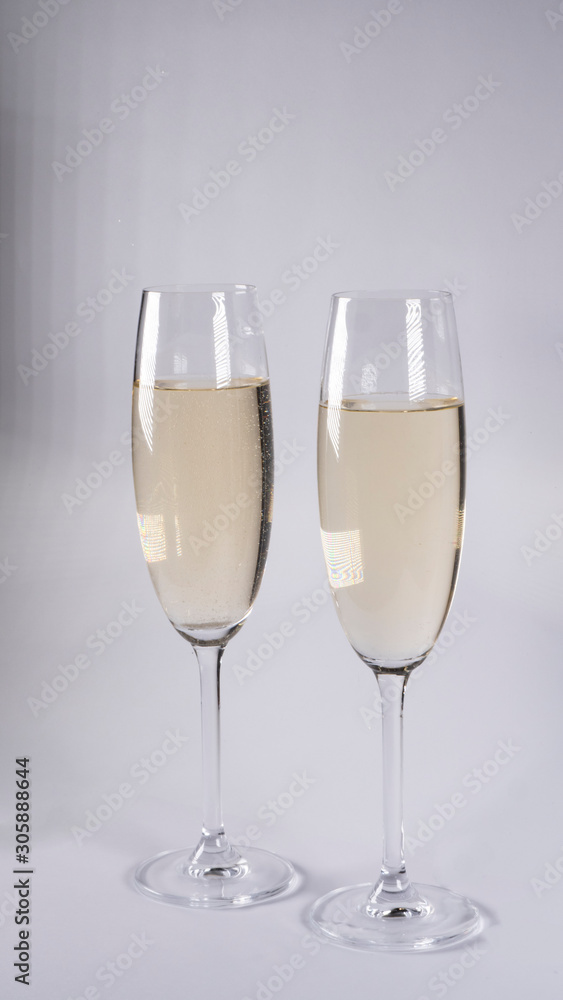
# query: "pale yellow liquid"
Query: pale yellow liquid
202,462
392,568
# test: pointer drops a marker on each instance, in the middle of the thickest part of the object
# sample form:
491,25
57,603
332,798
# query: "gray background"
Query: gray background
458,218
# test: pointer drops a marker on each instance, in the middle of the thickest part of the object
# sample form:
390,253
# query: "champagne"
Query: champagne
203,470
391,493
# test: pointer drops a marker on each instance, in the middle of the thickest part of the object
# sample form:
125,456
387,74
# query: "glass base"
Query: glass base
347,917
174,877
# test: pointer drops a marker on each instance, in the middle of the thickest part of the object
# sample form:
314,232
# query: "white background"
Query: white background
458,218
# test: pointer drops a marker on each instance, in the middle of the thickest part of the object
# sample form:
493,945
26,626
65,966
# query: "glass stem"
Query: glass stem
393,894
213,853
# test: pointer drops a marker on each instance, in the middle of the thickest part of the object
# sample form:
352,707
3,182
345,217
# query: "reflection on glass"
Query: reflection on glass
343,557
153,538
392,499
203,467
401,549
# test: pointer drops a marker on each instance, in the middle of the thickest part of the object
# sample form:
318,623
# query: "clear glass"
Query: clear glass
203,471
391,471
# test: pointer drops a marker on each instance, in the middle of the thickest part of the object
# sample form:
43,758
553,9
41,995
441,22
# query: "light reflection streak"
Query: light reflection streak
148,365
415,350
178,536
221,342
336,373
343,557
153,536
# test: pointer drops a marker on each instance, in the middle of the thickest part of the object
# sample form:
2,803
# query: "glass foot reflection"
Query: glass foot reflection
347,917
175,877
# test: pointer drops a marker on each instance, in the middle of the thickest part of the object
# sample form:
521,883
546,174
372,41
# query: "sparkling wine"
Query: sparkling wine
203,470
391,492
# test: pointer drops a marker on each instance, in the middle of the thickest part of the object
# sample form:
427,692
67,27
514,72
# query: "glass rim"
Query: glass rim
395,295
181,289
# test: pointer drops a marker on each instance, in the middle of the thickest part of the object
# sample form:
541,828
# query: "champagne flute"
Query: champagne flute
391,471
203,471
